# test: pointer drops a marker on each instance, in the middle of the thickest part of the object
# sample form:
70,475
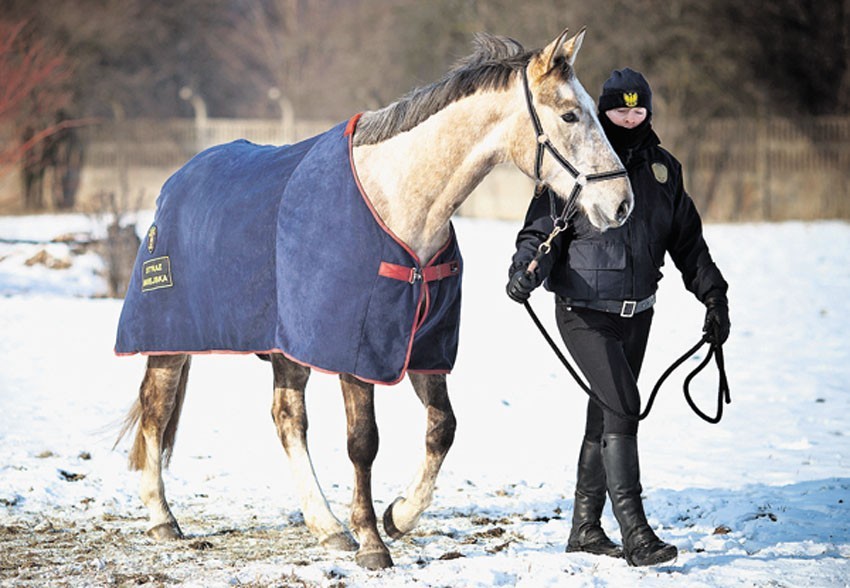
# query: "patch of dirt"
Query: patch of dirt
113,551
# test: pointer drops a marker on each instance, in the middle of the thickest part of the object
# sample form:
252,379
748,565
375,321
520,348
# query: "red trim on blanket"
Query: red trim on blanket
424,292
423,312
352,123
204,352
430,271
331,372
296,360
349,131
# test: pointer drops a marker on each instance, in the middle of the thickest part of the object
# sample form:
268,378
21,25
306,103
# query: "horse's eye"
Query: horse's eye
569,117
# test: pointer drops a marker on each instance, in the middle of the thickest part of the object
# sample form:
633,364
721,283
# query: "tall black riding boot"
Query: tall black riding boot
587,534
641,545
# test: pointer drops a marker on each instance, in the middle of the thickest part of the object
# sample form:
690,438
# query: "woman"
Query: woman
604,285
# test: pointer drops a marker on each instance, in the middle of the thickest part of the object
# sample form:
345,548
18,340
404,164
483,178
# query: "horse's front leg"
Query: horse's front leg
362,448
404,512
290,417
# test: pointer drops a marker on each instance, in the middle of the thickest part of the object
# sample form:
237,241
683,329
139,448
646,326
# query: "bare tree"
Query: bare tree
34,75
333,57
28,67
324,58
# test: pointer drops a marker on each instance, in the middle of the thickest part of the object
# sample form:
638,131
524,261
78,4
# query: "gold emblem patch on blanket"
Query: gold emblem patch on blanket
156,274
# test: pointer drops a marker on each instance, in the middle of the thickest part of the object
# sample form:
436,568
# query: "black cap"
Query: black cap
625,88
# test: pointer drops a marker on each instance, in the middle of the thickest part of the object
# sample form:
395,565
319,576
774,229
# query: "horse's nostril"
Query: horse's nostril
623,211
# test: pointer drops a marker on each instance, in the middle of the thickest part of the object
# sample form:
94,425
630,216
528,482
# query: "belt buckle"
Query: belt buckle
628,309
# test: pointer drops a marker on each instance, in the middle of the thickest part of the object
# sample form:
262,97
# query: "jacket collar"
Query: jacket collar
631,145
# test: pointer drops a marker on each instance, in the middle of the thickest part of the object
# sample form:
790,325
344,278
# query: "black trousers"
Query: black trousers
609,351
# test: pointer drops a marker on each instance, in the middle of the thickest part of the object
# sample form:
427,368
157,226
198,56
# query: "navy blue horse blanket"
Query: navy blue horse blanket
259,249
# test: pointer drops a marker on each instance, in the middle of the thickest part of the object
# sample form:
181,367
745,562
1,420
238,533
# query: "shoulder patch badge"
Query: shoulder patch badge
659,170
151,238
156,274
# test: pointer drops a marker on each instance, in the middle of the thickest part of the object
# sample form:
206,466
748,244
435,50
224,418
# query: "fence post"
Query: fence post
200,108
763,164
287,115
122,163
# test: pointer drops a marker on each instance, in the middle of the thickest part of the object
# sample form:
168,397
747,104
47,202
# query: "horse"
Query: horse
414,161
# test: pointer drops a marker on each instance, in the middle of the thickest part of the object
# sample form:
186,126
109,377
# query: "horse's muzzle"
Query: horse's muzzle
623,212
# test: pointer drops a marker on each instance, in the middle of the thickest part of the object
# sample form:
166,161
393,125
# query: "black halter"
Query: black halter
544,144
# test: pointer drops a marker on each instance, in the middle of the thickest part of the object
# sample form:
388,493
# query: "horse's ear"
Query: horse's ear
553,49
572,46
564,47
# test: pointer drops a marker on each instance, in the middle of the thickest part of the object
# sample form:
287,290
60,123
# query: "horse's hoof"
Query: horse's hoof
340,542
374,560
165,532
389,523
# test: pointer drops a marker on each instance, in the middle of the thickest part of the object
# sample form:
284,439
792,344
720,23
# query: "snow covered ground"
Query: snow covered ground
762,499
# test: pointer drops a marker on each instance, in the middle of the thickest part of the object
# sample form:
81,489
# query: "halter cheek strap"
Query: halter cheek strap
545,144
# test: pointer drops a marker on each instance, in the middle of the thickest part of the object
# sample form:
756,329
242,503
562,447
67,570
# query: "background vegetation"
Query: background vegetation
334,57
66,63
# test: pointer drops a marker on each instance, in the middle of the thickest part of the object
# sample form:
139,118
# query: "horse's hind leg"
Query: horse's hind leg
157,411
404,512
359,400
290,417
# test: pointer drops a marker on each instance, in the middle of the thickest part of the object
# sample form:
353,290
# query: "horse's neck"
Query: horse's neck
417,179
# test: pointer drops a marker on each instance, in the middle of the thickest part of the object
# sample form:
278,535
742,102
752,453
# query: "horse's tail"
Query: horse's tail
130,423
138,452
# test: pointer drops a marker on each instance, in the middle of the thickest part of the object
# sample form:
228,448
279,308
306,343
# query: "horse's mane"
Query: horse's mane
490,67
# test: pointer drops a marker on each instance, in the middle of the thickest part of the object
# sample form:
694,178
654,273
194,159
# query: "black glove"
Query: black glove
521,284
716,327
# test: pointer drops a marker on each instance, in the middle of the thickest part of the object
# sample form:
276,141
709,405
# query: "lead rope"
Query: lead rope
716,351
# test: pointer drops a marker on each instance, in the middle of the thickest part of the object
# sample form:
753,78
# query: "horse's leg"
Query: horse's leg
158,412
404,512
362,448
290,418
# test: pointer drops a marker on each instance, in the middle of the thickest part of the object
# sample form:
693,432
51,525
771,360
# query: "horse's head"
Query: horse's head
569,130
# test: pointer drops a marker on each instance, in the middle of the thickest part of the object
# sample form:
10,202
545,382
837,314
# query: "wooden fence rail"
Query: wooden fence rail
767,169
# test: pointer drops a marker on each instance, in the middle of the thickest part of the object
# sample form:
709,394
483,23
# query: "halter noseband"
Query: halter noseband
543,144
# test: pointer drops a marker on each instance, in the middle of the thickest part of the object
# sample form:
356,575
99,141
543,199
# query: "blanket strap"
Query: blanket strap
429,273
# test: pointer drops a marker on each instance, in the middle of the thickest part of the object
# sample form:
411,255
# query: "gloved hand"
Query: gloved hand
521,284
716,327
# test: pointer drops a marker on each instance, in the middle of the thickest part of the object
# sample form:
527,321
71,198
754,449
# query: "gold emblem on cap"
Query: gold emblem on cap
630,99
659,170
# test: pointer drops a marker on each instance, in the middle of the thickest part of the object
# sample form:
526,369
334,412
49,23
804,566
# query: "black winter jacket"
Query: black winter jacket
625,263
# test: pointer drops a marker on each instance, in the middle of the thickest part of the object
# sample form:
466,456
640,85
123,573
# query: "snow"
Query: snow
762,499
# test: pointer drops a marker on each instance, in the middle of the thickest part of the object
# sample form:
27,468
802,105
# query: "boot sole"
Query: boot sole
616,553
662,556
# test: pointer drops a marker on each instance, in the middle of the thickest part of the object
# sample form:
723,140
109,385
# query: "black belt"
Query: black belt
625,308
